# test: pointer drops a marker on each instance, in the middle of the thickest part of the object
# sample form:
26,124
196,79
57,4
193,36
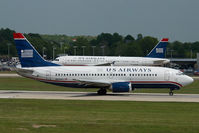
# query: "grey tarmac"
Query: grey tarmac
156,97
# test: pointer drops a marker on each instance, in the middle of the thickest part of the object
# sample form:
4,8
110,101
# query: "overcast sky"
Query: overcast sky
175,19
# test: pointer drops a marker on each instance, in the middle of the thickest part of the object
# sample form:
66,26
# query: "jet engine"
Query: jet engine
121,87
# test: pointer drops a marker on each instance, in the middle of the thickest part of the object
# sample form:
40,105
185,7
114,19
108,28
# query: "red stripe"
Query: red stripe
165,40
18,35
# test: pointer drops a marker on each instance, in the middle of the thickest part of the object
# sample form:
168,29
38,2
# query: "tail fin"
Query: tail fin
159,50
28,55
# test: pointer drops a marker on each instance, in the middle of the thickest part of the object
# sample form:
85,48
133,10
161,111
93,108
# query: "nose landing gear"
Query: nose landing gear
171,92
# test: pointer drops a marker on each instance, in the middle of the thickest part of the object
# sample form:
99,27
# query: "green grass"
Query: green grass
62,116
21,83
7,72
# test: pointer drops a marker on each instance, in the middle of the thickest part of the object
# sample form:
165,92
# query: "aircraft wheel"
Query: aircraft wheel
101,92
171,93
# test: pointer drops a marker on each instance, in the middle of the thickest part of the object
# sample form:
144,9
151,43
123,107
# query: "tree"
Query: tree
147,44
128,39
139,37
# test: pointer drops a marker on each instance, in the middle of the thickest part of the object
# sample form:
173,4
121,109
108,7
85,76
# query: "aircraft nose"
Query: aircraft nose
188,80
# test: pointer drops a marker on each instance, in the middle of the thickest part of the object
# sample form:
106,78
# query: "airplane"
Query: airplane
155,58
115,78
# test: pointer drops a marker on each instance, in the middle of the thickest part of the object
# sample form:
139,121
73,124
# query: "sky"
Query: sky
175,19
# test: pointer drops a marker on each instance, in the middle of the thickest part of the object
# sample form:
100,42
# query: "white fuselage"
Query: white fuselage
80,76
105,60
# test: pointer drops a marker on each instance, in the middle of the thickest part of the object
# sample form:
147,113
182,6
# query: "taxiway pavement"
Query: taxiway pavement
156,97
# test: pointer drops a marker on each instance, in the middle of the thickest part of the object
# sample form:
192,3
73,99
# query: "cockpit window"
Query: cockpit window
56,59
179,73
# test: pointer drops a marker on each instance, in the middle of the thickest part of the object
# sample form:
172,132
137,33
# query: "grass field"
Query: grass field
20,83
68,116
61,116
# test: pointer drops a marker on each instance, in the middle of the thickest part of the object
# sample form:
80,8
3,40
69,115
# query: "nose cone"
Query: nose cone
190,80
187,80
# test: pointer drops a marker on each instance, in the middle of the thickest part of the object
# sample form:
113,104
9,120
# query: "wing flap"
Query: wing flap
96,83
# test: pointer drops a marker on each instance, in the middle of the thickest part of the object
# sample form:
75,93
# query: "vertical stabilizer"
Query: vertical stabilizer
28,55
159,50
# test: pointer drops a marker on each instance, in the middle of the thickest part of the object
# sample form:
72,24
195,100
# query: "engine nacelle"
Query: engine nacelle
121,87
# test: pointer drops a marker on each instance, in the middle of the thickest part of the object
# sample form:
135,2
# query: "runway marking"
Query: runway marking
156,97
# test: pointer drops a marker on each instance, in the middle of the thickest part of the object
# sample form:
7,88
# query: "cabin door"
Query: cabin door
167,75
48,75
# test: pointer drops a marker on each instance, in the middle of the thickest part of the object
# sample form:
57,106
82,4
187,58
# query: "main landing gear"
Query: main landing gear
171,92
101,91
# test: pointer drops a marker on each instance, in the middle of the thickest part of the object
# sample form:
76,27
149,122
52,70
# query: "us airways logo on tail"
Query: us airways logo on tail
128,70
27,53
159,50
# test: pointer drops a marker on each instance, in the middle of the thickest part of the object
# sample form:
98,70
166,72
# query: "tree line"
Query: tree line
104,44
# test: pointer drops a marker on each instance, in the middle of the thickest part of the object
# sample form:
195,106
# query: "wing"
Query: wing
160,62
96,83
105,64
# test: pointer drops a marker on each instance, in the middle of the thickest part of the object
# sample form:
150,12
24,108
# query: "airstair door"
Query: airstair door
48,75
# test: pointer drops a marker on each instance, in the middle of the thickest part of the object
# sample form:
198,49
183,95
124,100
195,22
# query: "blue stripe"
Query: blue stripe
136,85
